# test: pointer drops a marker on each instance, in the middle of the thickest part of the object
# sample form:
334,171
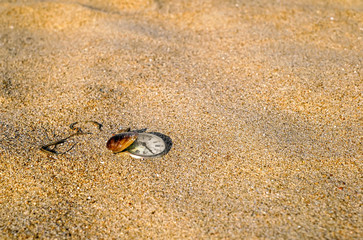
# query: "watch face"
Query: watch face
147,145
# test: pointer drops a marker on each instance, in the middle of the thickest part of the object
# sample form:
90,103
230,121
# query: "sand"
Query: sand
262,100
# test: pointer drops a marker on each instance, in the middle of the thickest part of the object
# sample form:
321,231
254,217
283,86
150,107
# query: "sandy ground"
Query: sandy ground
261,98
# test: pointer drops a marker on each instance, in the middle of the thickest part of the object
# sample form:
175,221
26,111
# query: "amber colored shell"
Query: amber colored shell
121,141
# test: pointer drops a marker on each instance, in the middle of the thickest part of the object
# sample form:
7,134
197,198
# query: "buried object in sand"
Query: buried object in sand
136,143
140,145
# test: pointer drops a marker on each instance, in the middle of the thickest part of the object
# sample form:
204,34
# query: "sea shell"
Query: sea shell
121,141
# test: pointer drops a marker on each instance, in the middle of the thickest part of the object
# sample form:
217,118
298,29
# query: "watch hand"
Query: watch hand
144,144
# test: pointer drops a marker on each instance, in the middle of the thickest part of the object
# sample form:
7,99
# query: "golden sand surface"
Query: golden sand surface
262,100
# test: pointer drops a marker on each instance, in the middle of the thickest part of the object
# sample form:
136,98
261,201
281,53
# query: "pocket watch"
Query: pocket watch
140,145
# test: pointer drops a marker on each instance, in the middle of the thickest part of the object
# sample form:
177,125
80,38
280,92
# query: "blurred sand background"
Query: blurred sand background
261,98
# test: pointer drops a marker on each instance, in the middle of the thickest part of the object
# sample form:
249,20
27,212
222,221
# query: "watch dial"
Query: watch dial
147,145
